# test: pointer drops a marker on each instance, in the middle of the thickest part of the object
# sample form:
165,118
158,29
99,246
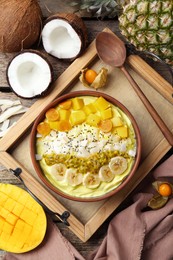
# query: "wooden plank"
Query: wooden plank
151,76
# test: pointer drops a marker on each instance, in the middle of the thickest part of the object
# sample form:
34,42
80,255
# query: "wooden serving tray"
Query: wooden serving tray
87,217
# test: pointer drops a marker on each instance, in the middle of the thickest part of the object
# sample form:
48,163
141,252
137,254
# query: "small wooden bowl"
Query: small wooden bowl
41,118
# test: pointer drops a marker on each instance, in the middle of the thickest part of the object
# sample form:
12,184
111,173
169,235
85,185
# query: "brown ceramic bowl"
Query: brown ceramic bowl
39,170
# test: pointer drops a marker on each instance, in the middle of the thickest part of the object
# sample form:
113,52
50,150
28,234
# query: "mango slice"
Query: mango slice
22,220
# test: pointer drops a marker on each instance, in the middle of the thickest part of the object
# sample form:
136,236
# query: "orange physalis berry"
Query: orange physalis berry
90,75
165,190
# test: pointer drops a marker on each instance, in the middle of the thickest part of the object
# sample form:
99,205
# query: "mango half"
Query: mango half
23,221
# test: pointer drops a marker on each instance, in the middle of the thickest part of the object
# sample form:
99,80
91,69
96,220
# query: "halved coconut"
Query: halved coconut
29,74
64,36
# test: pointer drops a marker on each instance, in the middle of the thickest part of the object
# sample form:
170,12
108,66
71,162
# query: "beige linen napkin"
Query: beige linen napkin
133,234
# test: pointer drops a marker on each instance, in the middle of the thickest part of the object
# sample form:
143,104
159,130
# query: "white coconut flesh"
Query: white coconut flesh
29,74
60,39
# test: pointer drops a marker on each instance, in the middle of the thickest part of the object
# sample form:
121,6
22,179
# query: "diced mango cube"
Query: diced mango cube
7,228
9,204
122,131
3,198
117,121
89,109
17,233
93,120
77,117
54,125
20,224
15,193
64,114
77,103
4,212
11,218
101,104
106,114
28,216
23,199
18,209
29,204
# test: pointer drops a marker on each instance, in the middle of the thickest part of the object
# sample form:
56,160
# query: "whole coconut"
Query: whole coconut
21,23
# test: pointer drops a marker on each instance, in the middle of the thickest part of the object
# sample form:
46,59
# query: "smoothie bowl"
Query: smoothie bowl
85,146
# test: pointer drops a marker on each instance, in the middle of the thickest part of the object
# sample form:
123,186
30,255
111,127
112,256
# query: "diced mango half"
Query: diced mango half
101,104
106,114
93,120
19,229
77,103
77,117
122,131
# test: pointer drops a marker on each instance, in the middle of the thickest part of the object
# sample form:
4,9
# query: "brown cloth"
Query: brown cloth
133,234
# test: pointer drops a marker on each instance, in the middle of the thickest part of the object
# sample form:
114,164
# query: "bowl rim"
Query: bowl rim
62,98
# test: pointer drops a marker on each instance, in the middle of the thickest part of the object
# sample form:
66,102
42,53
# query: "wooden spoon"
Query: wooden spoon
112,51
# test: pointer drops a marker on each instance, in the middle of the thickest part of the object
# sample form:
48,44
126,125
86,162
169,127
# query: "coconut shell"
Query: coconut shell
77,24
21,23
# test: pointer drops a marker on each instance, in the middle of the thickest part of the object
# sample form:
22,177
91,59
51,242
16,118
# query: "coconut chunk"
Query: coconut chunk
29,74
5,125
9,103
3,132
10,112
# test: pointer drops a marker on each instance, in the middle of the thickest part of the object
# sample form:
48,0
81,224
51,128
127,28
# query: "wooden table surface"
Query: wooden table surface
93,27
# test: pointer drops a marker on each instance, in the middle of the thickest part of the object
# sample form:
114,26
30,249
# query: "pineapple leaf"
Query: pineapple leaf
100,8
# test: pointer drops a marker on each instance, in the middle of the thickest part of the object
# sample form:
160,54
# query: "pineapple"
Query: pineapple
101,8
148,25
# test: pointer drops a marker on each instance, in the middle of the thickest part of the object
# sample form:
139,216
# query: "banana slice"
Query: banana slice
118,164
58,171
105,174
91,181
73,178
